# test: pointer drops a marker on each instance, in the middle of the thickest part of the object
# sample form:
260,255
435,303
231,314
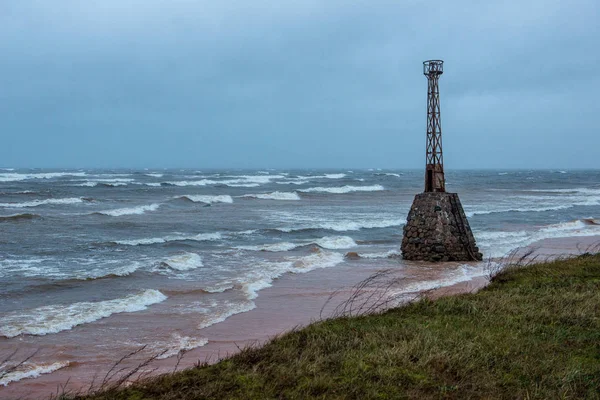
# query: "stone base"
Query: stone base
437,230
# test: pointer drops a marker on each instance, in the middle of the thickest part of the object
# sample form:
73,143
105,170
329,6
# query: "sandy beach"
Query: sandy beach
292,301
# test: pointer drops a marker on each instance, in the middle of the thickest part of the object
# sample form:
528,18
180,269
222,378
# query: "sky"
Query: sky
297,83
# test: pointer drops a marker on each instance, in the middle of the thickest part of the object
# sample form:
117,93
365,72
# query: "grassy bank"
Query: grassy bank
533,333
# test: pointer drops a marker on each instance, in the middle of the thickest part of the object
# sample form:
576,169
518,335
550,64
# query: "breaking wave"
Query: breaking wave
184,262
462,274
18,217
50,268
517,209
567,191
14,177
177,344
30,370
387,254
202,237
228,311
207,199
102,273
262,276
293,182
104,184
343,189
336,242
129,211
57,318
35,203
500,243
237,181
274,247
275,196
327,242
264,273
388,174
343,226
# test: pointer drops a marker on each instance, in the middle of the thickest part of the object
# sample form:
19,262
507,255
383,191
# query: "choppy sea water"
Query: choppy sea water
97,257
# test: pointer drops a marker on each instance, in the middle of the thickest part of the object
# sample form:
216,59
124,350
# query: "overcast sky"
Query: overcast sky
302,83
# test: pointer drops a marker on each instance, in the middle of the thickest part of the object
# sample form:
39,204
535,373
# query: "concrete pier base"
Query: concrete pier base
437,230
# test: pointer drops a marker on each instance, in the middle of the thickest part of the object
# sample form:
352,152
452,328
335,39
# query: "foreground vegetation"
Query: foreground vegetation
534,333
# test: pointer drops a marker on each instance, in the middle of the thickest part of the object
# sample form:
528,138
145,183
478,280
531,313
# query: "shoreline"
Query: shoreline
279,308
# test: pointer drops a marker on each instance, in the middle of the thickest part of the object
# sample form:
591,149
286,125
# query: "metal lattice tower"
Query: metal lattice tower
434,165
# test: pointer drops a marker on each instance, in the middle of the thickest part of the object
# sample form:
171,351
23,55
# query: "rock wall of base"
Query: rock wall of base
437,230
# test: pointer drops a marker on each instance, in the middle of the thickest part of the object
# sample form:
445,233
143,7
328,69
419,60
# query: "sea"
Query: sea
94,263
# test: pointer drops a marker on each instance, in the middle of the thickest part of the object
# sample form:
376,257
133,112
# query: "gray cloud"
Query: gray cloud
137,83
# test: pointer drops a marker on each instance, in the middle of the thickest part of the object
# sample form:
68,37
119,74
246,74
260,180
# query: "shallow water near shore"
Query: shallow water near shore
95,264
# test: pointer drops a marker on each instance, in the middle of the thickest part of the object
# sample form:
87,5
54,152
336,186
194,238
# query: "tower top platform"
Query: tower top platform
433,67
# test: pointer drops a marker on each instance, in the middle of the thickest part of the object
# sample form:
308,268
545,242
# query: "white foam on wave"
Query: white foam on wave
286,196
207,199
155,175
130,211
581,190
56,318
178,344
274,247
324,176
103,272
29,267
80,269
237,181
261,179
114,182
327,242
336,242
293,182
500,243
345,225
343,189
202,182
246,185
30,370
262,276
517,209
387,254
184,262
229,310
265,273
320,259
463,274
36,203
541,200
96,183
209,182
14,177
202,237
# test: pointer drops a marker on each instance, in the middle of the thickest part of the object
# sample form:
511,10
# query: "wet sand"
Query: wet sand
294,300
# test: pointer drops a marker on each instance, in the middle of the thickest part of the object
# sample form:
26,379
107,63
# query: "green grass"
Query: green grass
534,333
